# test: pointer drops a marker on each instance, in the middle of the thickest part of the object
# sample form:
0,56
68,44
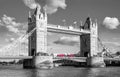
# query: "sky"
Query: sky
14,15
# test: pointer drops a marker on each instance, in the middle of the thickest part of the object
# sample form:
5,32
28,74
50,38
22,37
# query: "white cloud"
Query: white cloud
13,26
111,22
112,43
51,6
68,41
12,29
10,21
1,23
30,3
7,20
9,40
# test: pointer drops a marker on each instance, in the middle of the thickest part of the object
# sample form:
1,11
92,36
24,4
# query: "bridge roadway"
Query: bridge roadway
67,30
78,59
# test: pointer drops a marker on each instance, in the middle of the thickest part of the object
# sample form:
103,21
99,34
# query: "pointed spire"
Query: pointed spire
29,14
89,18
37,10
45,12
88,21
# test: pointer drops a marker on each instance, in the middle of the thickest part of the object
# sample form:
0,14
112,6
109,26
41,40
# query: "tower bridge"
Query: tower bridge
37,43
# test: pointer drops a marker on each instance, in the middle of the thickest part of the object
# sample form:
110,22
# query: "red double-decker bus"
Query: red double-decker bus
65,55
61,55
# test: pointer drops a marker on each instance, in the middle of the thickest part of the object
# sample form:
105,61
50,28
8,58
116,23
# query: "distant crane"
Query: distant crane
105,50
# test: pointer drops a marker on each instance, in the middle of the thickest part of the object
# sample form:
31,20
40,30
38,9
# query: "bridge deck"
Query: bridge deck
77,59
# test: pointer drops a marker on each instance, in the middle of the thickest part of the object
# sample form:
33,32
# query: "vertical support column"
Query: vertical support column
41,24
94,39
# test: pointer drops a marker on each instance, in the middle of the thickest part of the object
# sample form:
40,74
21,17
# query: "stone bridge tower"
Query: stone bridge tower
37,46
38,39
89,44
89,41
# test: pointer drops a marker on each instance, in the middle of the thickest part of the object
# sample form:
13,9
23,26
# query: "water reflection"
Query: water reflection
73,72
60,72
104,72
93,72
38,73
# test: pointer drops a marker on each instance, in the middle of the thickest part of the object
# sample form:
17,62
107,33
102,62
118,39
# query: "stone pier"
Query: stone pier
95,62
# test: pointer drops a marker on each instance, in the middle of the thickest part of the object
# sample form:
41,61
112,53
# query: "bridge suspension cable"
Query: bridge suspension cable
17,43
104,49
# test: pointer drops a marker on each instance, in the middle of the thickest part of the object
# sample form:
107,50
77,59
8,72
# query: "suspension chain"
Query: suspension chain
19,40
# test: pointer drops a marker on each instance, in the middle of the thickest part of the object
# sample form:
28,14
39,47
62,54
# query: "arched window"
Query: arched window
33,51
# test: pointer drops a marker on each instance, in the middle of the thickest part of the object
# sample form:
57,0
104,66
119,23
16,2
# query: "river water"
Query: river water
18,71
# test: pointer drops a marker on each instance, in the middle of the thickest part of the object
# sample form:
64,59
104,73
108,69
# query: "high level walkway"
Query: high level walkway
67,30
